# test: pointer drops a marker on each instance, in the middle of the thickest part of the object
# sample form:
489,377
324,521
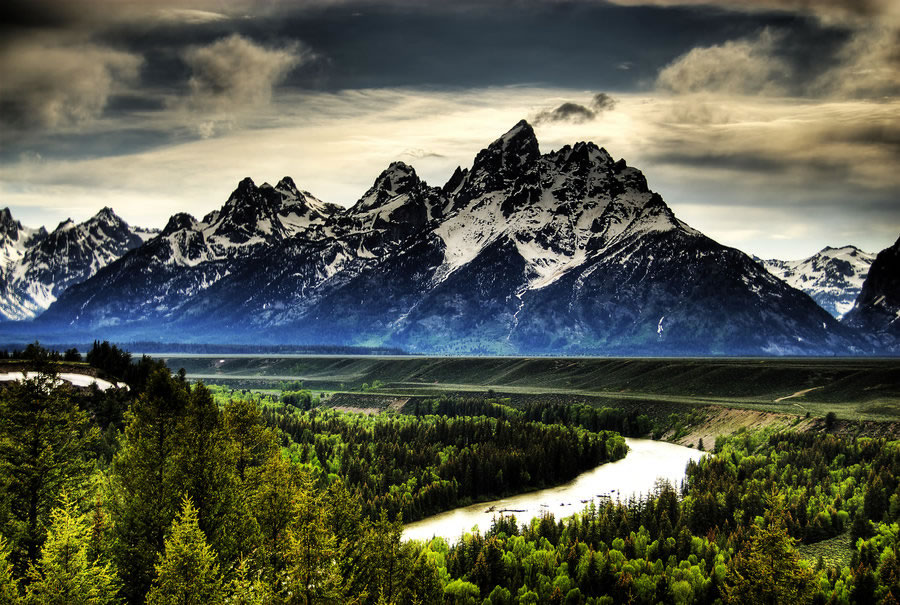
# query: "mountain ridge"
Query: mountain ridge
833,277
37,266
567,252
877,310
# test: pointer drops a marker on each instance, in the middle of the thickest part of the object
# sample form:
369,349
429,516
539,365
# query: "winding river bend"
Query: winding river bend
635,474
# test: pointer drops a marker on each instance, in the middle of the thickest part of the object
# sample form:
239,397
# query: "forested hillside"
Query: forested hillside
177,493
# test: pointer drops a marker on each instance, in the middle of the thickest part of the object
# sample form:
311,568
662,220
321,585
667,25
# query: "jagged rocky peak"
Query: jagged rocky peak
107,214
398,179
582,156
8,225
245,194
107,221
248,202
245,186
877,310
66,225
6,218
510,154
456,180
178,222
287,186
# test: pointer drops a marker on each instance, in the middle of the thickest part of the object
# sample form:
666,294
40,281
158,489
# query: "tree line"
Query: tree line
420,465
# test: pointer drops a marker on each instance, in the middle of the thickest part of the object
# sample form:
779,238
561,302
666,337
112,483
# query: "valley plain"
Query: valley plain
858,389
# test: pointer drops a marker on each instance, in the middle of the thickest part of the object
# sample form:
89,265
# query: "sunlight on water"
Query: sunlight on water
636,474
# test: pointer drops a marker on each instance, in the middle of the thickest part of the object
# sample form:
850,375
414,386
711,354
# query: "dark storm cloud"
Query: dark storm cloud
567,112
575,112
603,102
827,8
48,85
750,161
579,45
855,148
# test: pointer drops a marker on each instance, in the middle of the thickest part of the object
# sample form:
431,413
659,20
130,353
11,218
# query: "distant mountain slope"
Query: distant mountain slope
833,277
38,266
877,310
567,252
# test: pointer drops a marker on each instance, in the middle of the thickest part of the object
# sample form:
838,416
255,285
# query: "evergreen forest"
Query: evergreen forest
172,492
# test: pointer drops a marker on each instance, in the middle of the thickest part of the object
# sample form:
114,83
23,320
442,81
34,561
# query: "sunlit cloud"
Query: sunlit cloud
746,66
59,85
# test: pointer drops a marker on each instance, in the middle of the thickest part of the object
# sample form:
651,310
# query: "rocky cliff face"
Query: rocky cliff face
877,310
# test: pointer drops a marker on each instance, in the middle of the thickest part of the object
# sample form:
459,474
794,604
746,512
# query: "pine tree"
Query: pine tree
384,560
313,572
253,442
44,438
145,493
65,573
204,469
9,585
248,588
768,571
187,573
272,503
424,583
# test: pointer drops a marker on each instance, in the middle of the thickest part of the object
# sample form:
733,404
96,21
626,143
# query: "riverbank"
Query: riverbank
647,462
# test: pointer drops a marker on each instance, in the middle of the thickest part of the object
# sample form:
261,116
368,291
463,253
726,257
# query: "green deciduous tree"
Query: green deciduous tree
460,592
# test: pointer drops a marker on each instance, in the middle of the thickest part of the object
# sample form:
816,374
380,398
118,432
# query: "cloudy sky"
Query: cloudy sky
770,125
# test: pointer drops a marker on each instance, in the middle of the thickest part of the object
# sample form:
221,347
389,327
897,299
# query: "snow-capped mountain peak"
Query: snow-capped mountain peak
66,225
557,209
8,225
262,215
39,266
398,179
833,277
519,142
568,252
178,222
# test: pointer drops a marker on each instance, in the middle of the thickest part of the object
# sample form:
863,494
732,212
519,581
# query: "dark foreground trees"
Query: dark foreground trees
44,441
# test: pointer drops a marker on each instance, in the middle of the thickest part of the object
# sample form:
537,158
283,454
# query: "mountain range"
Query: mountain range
568,252
833,277
37,266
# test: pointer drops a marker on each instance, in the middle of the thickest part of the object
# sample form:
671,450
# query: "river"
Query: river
636,474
